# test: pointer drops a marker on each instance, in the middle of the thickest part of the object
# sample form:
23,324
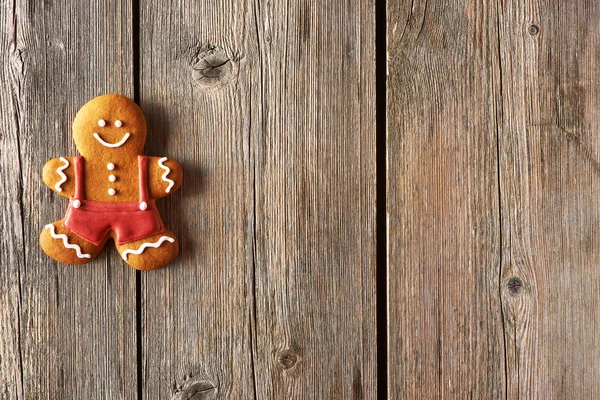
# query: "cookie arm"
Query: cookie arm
59,175
164,176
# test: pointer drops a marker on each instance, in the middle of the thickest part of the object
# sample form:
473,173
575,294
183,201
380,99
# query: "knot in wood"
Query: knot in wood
287,358
212,68
515,285
17,60
533,29
201,390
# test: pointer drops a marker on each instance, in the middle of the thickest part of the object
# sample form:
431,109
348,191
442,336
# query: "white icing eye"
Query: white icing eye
101,122
118,124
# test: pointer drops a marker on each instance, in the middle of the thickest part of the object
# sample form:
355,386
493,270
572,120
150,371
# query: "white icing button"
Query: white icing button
76,204
110,166
118,124
112,178
101,122
143,205
112,191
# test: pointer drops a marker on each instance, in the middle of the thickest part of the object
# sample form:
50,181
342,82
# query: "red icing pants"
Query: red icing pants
94,220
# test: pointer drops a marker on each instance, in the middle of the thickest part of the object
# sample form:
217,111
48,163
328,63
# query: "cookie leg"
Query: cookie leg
150,253
59,243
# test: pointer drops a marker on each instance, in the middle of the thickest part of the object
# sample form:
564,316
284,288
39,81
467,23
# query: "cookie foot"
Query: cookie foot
59,243
150,253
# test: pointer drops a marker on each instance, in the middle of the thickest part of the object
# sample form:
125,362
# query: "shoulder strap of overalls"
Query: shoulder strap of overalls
143,178
78,163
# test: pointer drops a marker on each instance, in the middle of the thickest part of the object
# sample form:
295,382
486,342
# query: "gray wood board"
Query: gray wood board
269,107
67,332
444,306
550,189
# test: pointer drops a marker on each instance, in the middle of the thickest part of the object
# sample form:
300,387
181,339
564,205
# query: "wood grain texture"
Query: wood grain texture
445,322
269,107
314,176
550,186
12,259
196,320
67,332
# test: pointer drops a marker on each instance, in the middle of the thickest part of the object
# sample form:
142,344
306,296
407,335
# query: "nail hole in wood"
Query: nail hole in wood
533,29
287,359
515,285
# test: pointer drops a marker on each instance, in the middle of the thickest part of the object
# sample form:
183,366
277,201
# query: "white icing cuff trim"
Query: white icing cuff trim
66,243
63,177
167,171
118,144
143,247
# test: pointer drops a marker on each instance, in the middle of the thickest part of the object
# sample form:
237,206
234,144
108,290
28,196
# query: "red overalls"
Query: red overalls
93,220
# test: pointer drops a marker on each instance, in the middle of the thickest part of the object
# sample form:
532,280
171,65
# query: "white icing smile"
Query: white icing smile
118,144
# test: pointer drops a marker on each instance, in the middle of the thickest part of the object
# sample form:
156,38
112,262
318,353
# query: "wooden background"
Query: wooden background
380,200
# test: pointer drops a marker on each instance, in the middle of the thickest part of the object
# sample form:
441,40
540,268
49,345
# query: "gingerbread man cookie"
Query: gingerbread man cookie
112,188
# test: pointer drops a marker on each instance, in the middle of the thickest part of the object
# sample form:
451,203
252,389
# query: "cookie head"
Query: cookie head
110,125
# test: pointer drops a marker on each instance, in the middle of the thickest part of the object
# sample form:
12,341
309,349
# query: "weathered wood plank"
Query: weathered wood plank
196,319
314,179
73,328
550,187
11,242
445,335
273,294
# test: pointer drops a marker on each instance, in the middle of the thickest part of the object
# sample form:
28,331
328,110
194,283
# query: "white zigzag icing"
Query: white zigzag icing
167,171
66,243
60,172
143,247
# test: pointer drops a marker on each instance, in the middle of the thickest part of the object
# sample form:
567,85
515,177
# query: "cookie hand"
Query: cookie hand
164,176
58,174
